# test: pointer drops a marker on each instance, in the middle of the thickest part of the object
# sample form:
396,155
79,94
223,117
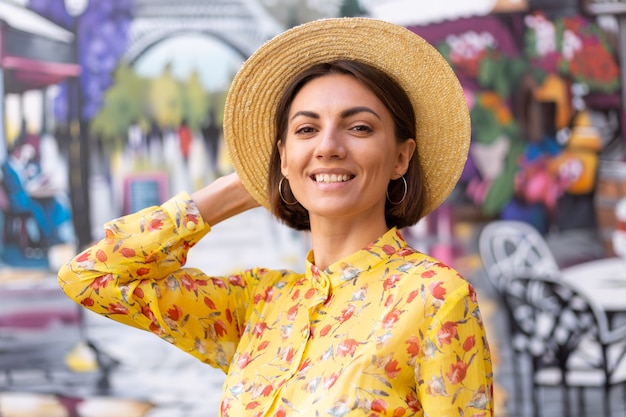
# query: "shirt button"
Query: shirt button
191,225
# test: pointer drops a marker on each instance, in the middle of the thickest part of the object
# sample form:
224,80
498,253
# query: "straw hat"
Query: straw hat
442,116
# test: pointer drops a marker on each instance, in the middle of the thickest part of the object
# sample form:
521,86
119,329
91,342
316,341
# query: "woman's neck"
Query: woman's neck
333,240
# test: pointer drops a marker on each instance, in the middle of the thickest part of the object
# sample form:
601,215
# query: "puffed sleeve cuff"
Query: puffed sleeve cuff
187,220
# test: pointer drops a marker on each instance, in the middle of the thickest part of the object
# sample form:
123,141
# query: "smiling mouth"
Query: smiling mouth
328,178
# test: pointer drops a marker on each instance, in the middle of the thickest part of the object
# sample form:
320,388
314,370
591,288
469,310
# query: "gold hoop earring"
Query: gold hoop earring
280,192
406,189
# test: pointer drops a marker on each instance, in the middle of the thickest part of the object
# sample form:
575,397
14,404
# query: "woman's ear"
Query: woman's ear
283,158
405,153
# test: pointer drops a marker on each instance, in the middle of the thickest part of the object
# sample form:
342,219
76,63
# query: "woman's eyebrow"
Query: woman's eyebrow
305,113
355,110
346,113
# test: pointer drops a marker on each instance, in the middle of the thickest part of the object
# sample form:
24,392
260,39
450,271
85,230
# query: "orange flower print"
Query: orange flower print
469,343
174,313
143,271
346,313
146,311
446,333
101,255
391,369
388,249
127,252
347,347
117,308
413,402
413,347
428,274
87,302
101,282
328,382
379,405
399,412
437,290
236,281
457,372
259,329
209,303
155,224
263,345
244,360
391,318
390,282
138,292
325,330
220,328
412,295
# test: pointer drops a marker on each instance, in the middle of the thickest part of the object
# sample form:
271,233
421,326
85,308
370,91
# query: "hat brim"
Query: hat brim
441,112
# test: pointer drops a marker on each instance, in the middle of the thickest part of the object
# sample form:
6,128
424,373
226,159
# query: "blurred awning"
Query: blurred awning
36,52
424,12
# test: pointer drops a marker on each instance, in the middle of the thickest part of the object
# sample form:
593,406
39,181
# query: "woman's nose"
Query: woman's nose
330,145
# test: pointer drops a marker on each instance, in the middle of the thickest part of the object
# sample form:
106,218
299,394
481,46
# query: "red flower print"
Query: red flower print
389,300
267,390
225,406
391,318
83,256
281,412
252,405
413,402
191,218
295,295
263,345
347,347
101,255
117,308
305,365
188,283
412,295
220,328
209,303
155,224
101,282
469,343
405,252
244,360
457,372
325,330
236,280
258,329
388,249
327,383
87,302
143,271
437,290
346,313
399,412
138,292
109,235
446,333
414,346
310,293
146,311
390,282
175,313
391,369
291,313
218,283
428,274
472,293
229,315
379,405
127,252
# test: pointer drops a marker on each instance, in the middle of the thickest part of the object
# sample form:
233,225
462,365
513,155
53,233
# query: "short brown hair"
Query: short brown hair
410,209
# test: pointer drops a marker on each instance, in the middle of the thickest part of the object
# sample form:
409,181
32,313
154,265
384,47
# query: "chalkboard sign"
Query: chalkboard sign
144,190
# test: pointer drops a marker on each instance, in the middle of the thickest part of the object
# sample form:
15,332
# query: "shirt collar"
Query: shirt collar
362,260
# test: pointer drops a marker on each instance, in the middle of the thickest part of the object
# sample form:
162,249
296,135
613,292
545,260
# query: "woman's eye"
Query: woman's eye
362,128
306,129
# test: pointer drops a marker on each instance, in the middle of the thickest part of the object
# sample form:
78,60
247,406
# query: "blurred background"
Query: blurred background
112,106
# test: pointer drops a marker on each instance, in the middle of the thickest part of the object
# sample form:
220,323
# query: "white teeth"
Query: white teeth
331,178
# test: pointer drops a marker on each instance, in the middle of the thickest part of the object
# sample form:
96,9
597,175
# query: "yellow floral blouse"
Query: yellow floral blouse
387,331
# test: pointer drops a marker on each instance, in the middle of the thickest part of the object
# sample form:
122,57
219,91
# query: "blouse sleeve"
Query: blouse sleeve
135,276
454,375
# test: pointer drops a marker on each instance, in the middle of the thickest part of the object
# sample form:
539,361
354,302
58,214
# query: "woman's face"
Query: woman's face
340,150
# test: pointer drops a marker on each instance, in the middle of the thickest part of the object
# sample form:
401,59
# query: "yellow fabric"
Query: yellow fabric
387,331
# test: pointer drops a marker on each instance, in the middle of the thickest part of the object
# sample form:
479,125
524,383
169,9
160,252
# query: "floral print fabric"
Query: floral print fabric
387,331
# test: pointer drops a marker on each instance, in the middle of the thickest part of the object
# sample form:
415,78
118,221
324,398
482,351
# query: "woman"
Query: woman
370,134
